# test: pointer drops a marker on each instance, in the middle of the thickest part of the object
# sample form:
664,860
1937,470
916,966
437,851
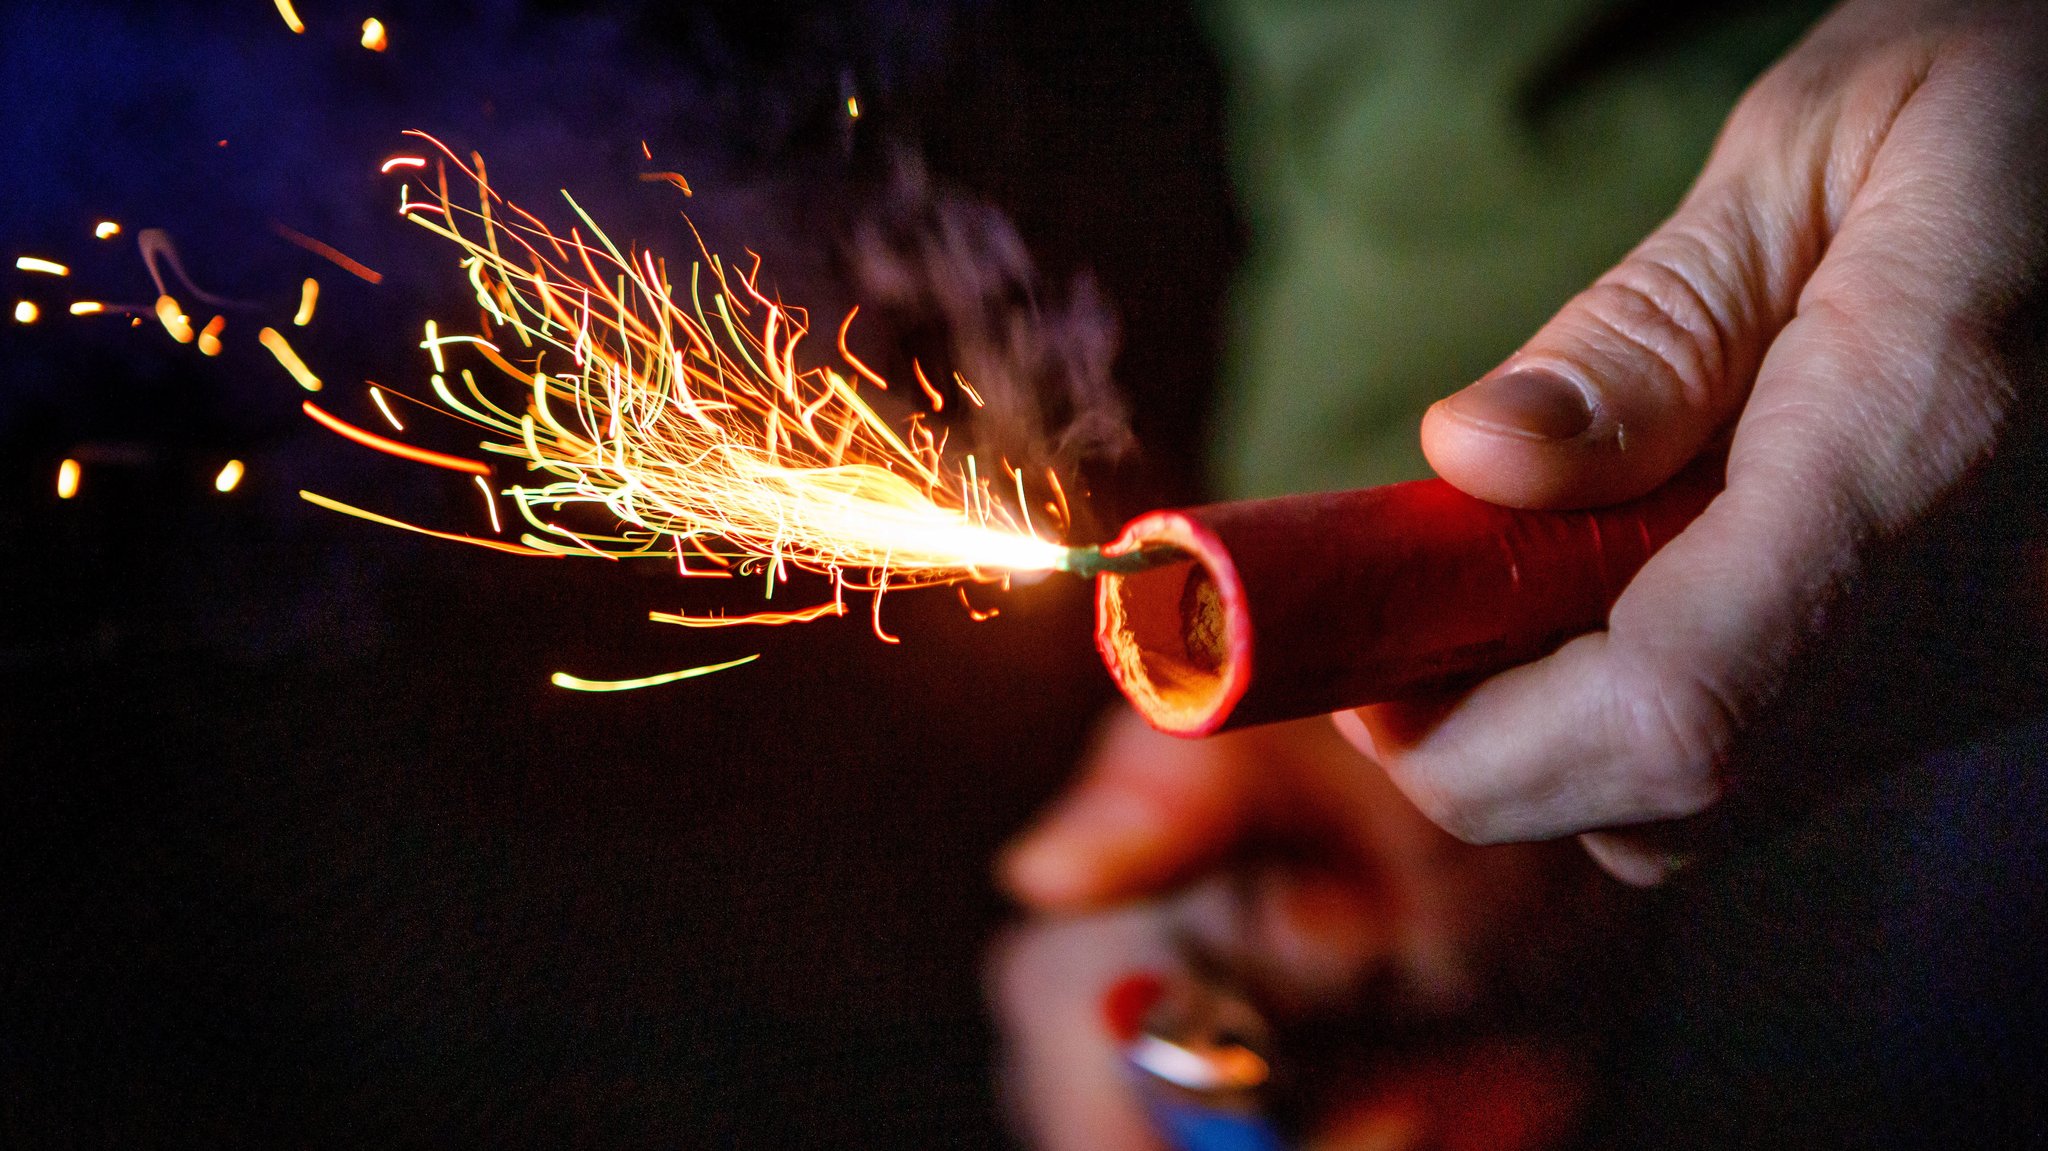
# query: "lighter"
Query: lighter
1196,1052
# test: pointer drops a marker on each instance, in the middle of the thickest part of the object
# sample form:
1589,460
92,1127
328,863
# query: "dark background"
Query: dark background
301,847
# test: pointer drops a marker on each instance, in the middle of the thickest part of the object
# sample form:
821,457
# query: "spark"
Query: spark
38,264
373,35
675,178
401,162
370,439
26,312
377,397
67,479
106,230
87,308
209,336
291,18
272,339
853,107
491,505
333,505
173,319
573,683
326,252
666,413
230,475
309,292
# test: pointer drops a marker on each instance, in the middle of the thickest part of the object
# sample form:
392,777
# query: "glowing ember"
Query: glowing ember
106,230
230,475
87,308
291,18
67,479
38,264
309,292
209,336
685,419
377,397
26,312
270,338
373,35
173,319
853,107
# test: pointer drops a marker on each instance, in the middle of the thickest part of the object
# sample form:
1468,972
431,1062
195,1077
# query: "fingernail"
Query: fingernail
1529,402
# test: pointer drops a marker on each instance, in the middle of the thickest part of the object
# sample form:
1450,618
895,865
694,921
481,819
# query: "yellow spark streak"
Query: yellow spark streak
38,264
173,319
87,308
490,504
26,312
564,679
291,18
351,510
67,479
209,336
760,617
377,397
270,338
230,475
106,230
309,292
373,35
853,107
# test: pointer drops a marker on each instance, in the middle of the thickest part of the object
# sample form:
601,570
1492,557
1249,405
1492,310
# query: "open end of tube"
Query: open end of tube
1176,637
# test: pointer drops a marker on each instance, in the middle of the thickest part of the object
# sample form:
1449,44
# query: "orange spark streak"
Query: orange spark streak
327,253
38,264
675,178
173,319
930,393
402,162
209,336
67,479
371,439
373,35
309,292
770,618
291,18
230,475
272,339
387,521
974,613
87,308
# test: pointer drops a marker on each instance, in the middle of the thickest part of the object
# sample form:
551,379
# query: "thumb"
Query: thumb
1149,810
1640,371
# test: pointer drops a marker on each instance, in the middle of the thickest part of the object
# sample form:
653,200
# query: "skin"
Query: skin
1850,303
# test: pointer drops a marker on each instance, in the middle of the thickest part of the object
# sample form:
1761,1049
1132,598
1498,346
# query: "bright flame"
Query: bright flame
230,475
689,421
106,230
26,312
373,35
67,479
38,264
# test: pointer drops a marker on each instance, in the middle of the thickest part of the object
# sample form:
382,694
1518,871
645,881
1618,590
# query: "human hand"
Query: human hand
1851,301
1323,890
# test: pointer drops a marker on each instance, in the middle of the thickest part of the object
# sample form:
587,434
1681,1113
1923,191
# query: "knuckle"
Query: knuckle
1670,308
1681,730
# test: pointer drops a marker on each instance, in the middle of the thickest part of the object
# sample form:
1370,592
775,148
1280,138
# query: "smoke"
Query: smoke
955,272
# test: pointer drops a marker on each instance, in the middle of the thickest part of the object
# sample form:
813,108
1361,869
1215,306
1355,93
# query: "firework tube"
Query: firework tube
1266,610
